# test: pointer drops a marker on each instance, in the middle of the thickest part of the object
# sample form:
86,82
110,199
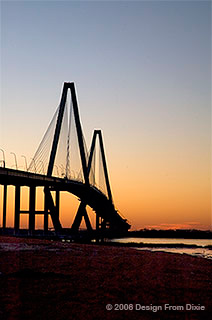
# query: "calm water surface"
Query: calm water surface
201,251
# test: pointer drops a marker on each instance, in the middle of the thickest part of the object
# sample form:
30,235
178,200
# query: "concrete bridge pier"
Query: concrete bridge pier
4,222
17,207
46,216
32,200
47,211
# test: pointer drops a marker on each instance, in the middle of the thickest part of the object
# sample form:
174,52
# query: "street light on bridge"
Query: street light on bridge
25,162
16,165
3,157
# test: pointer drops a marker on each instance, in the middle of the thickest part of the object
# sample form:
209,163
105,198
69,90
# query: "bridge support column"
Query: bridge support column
57,203
32,195
87,221
46,216
77,221
4,222
103,224
80,214
97,228
49,205
97,222
17,207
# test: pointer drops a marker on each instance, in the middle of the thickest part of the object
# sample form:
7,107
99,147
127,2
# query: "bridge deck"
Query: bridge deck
91,195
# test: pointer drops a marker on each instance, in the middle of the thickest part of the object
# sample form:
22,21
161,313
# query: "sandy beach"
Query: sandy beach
41,279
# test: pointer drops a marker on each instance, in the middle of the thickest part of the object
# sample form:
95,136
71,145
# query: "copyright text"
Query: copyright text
154,308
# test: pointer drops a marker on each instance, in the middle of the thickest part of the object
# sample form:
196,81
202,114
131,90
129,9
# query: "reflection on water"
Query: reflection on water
200,251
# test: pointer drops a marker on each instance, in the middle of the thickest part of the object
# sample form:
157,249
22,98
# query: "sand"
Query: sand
41,279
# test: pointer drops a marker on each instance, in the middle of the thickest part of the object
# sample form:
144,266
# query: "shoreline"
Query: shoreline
111,243
41,279
197,251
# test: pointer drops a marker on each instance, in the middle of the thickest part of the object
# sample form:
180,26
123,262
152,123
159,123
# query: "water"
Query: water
200,251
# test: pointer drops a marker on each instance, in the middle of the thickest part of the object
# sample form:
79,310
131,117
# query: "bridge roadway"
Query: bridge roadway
91,195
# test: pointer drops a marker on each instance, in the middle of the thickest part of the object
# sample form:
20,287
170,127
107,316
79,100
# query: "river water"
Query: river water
200,251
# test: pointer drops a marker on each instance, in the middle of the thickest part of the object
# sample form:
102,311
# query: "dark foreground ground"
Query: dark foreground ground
41,279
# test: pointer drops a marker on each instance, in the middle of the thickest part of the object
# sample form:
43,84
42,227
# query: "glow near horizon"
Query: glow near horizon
143,75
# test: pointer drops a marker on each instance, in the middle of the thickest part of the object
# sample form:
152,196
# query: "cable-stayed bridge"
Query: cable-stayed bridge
63,163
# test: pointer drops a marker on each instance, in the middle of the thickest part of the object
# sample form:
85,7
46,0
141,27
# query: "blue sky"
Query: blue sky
142,71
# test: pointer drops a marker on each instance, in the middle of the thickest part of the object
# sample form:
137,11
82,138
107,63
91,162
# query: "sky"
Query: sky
142,71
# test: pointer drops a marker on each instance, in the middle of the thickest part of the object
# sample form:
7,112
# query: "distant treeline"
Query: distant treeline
179,233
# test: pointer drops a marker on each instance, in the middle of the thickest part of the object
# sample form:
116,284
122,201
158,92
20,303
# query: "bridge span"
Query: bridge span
82,185
92,196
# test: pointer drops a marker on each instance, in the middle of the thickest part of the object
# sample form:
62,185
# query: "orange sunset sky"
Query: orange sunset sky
142,71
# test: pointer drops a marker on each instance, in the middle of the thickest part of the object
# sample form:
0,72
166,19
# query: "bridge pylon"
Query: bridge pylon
49,203
89,194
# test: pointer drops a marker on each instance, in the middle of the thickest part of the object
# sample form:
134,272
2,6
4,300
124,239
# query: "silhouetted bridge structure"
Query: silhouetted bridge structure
80,182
